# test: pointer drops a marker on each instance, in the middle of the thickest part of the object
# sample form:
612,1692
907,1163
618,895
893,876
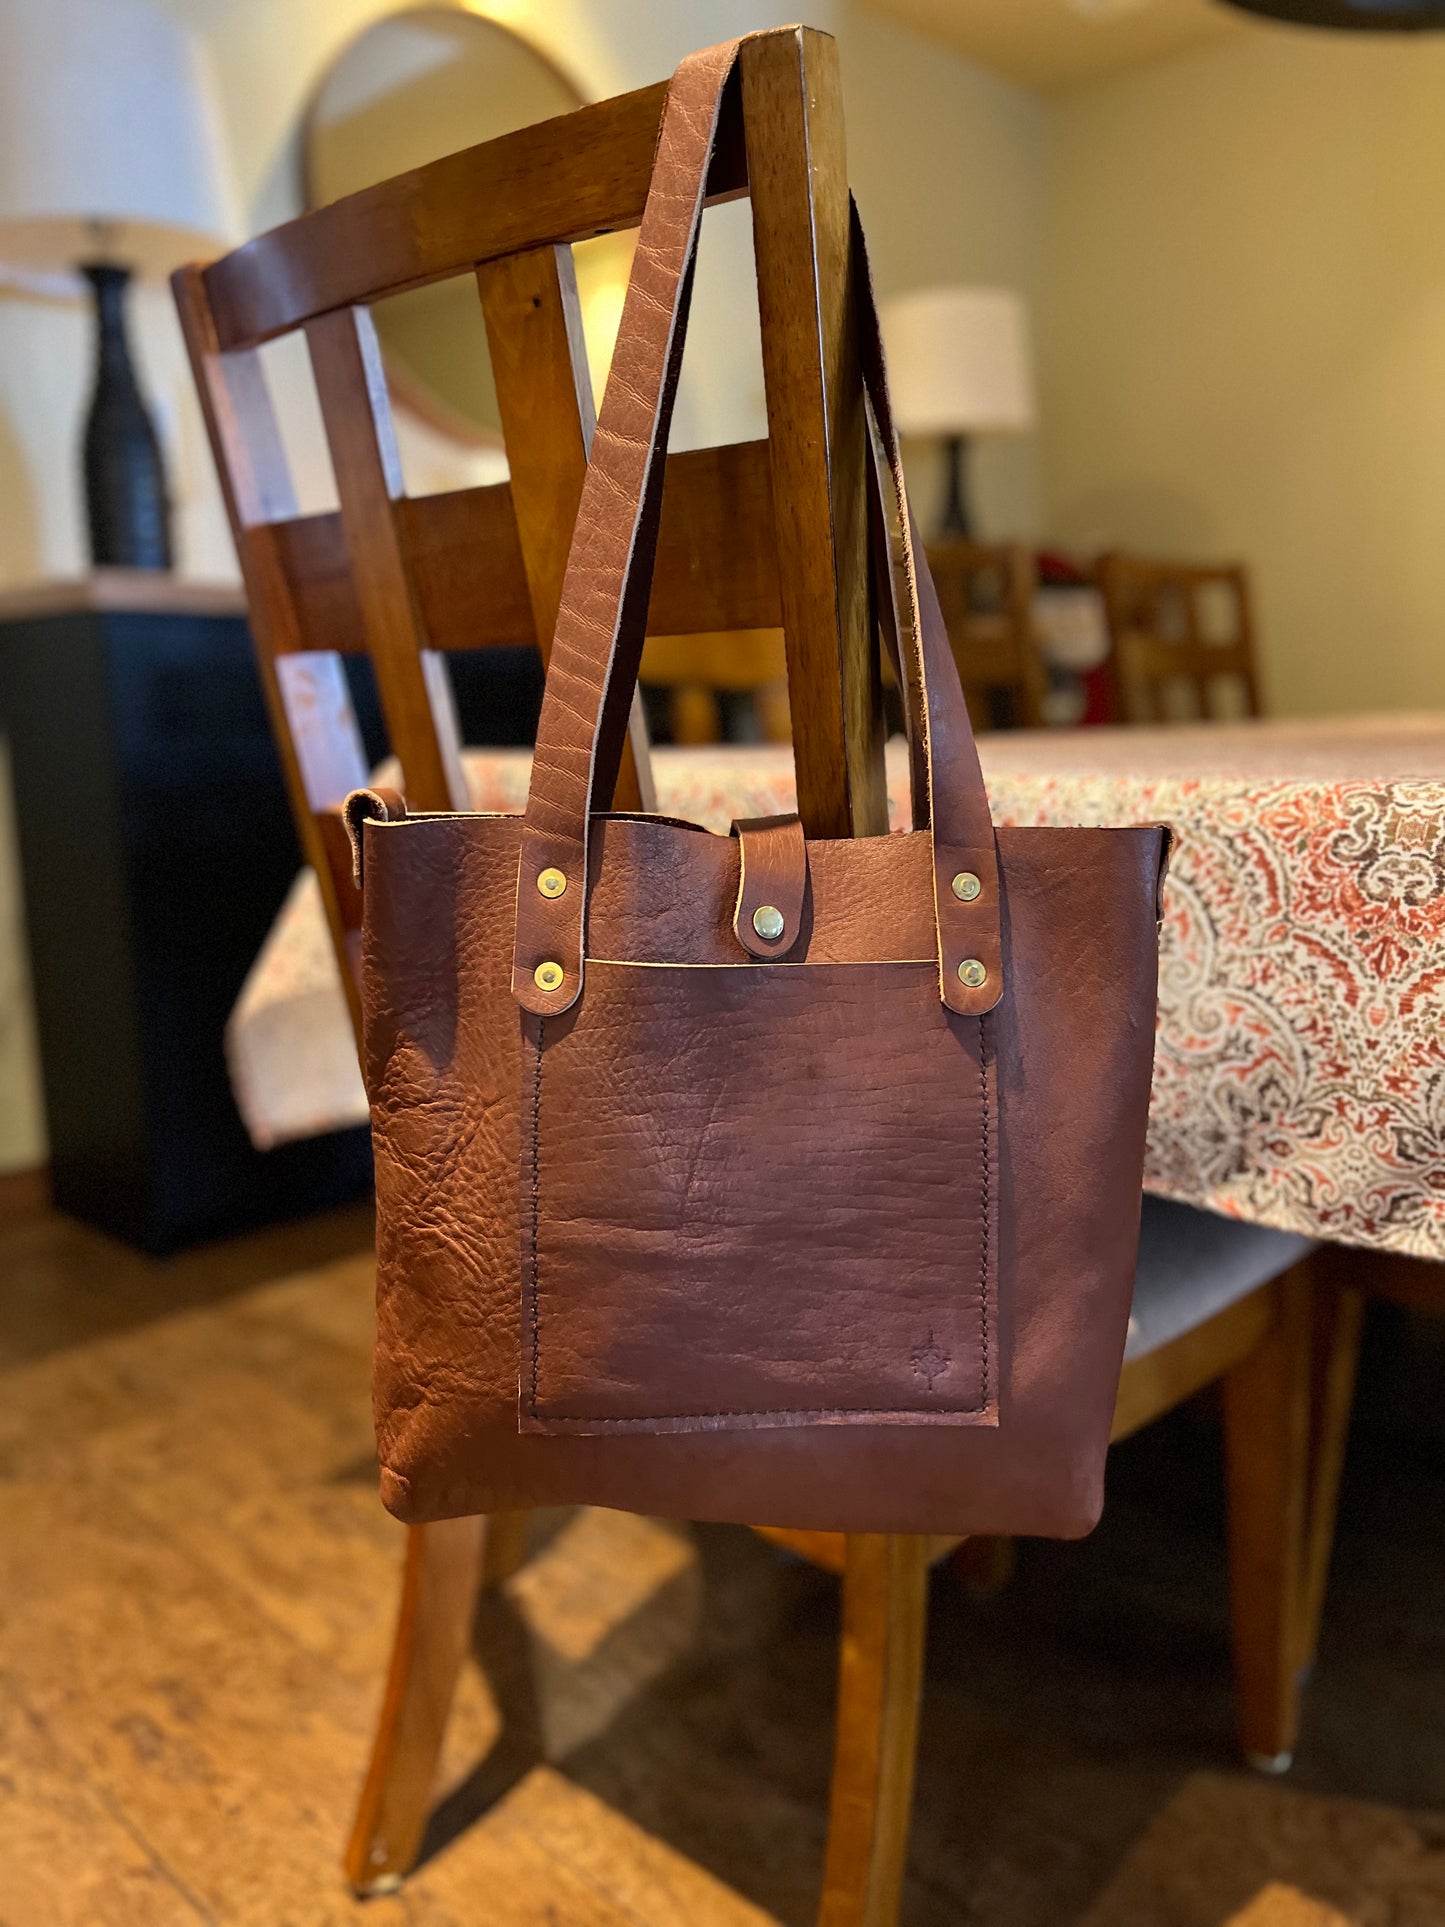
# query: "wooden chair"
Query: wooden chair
1347,1279
696,670
986,593
1178,631
405,580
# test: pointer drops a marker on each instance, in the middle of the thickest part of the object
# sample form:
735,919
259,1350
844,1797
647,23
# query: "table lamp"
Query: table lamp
110,163
959,365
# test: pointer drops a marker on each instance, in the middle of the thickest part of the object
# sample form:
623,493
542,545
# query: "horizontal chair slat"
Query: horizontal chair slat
716,559
563,180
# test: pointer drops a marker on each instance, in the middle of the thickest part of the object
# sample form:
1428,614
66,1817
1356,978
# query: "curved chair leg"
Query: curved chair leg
1338,1321
446,1567
1267,1425
880,1678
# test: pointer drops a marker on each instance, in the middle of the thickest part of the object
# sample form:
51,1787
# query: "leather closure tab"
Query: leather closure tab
379,805
970,953
772,885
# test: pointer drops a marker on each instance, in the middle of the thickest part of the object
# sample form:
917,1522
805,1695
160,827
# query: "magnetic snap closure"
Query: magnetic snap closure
966,886
769,922
548,976
972,973
551,883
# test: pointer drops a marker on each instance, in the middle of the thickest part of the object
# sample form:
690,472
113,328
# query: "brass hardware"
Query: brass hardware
966,886
551,883
971,972
769,922
548,976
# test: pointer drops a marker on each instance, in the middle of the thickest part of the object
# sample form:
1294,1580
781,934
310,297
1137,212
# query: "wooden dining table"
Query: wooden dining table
1299,1076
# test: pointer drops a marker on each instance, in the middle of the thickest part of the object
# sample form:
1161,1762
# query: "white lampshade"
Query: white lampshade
958,361
106,116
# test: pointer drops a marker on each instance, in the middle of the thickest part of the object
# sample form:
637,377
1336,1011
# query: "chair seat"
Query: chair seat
1192,1264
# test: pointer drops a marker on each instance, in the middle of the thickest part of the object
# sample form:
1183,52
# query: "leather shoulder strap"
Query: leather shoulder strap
943,753
598,643
604,595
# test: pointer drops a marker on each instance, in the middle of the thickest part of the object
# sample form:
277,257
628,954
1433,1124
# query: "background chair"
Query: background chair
694,673
405,580
1180,634
986,593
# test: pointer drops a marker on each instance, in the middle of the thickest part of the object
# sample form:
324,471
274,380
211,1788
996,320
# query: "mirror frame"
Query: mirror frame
408,390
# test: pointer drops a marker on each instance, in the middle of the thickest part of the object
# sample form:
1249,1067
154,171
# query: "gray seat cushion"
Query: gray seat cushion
1193,1264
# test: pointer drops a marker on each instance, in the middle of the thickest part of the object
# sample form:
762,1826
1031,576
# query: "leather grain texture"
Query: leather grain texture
809,1232
733,1280
448,1063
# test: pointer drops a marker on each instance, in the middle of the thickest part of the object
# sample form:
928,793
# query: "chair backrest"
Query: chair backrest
986,593
696,672
404,580
1178,632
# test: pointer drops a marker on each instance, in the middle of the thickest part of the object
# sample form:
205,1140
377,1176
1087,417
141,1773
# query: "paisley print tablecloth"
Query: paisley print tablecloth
1300,1065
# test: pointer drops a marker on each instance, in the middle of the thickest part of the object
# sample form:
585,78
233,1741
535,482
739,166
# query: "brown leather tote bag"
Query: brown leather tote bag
753,1178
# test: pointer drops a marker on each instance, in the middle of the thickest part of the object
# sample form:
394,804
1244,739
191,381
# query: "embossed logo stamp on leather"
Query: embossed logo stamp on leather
930,1360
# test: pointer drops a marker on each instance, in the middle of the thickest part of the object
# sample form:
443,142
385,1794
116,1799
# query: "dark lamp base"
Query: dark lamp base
125,483
957,523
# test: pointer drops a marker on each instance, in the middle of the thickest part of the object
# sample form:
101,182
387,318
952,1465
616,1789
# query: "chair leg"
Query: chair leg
446,1567
1267,1463
1339,1316
880,1678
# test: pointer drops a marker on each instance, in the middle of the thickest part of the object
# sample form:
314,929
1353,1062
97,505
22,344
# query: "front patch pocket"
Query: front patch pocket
758,1196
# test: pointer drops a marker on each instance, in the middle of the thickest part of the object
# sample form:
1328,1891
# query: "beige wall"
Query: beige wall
949,165
1244,343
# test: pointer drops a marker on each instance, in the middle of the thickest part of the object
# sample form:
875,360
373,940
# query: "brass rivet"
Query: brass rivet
966,886
548,976
768,921
971,972
551,883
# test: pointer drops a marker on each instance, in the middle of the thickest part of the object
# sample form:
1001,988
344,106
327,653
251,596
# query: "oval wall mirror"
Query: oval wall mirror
413,86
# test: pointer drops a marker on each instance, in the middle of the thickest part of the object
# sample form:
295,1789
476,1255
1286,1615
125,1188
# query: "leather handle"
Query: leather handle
946,780
597,647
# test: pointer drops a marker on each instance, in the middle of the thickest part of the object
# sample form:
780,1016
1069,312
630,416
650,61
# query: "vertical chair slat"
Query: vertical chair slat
319,747
544,396
1244,646
793,120
410,678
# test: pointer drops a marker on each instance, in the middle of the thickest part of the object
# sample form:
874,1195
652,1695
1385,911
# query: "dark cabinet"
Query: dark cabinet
156,846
